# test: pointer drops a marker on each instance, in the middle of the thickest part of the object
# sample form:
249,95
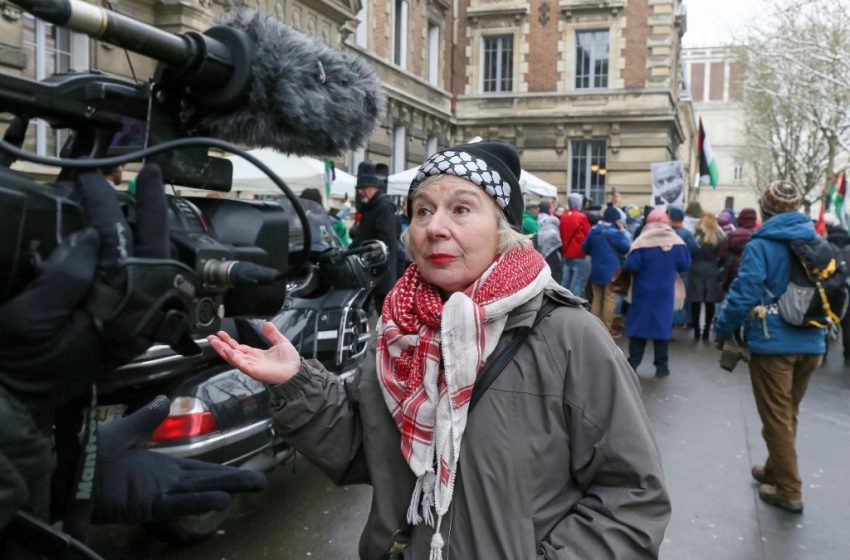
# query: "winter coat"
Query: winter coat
705,278
766,269
606,246
549,237
574,228
730,253
378,222
549,245
687,237
653,288
529,223
838,236
558,459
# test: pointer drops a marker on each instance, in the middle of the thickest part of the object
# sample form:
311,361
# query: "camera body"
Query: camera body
107,116
207,235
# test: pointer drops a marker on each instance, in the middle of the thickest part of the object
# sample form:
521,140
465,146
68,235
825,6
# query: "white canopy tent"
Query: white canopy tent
531,183
299,172
399,183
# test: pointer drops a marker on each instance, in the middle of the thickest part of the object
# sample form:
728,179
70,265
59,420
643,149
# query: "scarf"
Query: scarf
429,354
657,234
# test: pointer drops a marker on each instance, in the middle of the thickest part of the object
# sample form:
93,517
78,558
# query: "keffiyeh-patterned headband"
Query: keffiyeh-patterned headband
466,166
490,164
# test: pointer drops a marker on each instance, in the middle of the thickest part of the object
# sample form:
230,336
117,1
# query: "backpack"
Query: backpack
818,292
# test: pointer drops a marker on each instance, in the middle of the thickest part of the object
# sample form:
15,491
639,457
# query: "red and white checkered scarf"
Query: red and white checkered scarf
429,354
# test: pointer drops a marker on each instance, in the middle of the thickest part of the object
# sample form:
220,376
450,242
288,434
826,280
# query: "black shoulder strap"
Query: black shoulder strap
401,538
495,365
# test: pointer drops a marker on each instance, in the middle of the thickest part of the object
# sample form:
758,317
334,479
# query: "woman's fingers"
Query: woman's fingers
273,335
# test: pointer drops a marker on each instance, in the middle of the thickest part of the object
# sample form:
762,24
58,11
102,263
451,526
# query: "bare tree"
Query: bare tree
796,95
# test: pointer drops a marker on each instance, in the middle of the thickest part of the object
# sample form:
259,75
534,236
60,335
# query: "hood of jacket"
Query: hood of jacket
785,227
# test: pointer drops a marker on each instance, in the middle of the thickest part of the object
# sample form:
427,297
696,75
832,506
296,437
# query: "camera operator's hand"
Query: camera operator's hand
52,346
275,365
136,485
141,296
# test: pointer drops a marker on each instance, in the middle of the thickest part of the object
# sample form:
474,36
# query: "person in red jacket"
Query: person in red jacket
574,228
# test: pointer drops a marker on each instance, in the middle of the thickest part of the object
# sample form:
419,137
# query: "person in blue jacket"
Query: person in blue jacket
782,356
657,255
606,243
682,317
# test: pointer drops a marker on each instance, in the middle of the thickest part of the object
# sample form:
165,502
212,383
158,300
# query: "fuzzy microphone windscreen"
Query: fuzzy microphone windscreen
305,97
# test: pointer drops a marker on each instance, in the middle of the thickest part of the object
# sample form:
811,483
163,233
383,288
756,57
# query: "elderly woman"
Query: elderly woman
557,460
654,260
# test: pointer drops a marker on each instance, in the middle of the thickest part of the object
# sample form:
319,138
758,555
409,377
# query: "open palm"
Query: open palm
275,365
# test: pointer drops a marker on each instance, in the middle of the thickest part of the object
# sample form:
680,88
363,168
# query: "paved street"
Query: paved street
708,432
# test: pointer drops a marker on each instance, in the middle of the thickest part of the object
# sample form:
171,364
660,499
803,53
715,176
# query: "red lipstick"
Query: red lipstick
441,258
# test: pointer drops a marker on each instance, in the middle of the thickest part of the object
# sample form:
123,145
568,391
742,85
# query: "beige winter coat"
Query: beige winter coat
558,459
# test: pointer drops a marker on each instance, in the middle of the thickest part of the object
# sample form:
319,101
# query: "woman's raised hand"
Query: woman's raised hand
276,365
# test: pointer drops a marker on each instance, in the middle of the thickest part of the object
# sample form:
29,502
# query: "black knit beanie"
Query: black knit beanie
492,165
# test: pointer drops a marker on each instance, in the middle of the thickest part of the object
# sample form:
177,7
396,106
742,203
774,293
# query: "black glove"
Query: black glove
135,485
52,345
141,296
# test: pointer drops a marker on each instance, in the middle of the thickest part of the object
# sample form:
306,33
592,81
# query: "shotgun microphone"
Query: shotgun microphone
250,79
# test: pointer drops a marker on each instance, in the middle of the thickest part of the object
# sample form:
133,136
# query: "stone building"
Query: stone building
715,82
589,91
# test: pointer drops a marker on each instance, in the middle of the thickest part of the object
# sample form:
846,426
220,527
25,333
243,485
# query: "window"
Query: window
739,172
431,146
354,158
587,169
361,33
498,63
591,59
51,50
434,53
400,34
398,159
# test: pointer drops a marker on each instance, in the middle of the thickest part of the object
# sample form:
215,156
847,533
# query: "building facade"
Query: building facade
715,85
590,92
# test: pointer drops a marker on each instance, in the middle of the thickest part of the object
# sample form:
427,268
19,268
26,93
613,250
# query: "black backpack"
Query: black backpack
818,292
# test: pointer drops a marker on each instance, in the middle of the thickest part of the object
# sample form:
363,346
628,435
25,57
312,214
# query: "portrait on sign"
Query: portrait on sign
668,183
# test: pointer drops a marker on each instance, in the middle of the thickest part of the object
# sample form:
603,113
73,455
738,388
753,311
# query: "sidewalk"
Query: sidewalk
708,432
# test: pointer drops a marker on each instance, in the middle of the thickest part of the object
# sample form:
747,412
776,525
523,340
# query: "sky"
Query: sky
717,22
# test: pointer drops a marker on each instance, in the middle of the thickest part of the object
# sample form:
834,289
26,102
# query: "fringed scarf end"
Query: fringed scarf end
413,516
437,542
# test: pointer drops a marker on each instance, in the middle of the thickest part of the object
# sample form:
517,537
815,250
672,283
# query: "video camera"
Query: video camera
228,82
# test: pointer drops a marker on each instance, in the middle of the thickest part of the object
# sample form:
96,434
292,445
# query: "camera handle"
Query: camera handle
90,163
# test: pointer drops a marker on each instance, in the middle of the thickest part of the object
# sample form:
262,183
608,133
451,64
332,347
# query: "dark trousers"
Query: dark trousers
709,316
637,346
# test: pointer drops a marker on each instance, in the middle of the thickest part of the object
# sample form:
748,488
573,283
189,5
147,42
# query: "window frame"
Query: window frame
592,77
400,31
361,32
580,168
499,80
398,154
434,39
73,54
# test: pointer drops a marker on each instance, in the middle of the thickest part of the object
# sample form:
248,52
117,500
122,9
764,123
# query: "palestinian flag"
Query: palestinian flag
707,164
835,199
330,175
